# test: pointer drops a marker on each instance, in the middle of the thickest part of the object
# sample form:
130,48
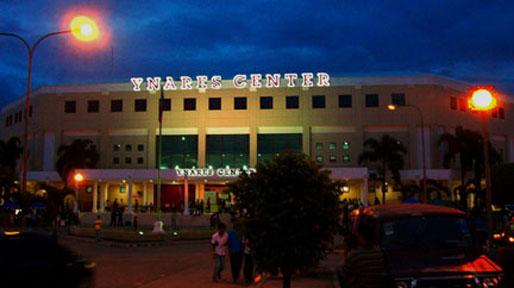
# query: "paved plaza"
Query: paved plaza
181,264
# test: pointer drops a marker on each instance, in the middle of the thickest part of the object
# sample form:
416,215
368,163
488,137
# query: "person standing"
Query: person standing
98,227
235,249
114,212
219,242
248,260
208,207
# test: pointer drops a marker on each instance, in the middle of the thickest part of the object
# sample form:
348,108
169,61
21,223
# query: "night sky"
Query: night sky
467,40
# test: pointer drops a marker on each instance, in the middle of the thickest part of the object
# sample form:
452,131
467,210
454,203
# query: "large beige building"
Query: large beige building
235,128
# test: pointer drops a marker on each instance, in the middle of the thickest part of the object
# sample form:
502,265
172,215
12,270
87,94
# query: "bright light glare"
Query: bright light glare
78,177
391,107
84,29
482,100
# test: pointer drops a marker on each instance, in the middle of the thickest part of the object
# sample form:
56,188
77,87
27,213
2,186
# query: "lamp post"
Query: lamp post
84,29
483,100
78,178
392,107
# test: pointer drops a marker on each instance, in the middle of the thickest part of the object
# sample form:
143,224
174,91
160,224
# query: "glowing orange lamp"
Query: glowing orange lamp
84,29
482,99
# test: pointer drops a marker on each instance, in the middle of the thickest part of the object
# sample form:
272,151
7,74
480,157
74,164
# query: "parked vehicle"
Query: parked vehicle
429,246
35,259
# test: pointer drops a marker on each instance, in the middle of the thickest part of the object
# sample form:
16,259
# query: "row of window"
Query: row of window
128,160
345,145
128,147
333,158
461,104
240,103
17,117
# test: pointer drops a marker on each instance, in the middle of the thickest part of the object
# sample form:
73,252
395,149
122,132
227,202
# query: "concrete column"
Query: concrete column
95,197
364,191
103,196
186,196
306,141
129,195
145,193
202,150
253,146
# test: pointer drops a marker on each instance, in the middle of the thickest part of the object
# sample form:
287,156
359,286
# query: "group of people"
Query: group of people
239,252
117,211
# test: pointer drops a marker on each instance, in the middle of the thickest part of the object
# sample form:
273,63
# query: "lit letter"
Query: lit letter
136,82
272,80
323,79
256,80
216,82
201,82
186,83
291,79
170,84
153,84
307,79
239,81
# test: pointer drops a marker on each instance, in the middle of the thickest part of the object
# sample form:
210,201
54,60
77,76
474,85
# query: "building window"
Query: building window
501,113
345,145
70,106
332,158
128,147
240,103
346,158
345,101
93,106
214,103
319,158
140,147
398,99
266,102
128,160
189,104
269,145
371,100
332,146
117,105
292,102
115,160
453,103
165,104
140,160
140,105
178,150
228,150
318,101
319,146
463,105
116,147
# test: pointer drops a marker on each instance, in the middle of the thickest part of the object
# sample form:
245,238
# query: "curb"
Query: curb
108,243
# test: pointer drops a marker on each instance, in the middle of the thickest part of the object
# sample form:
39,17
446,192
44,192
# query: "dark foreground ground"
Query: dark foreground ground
187,264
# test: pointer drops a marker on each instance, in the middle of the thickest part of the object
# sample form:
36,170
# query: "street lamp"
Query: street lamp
483,99
78,178
83,29
392,107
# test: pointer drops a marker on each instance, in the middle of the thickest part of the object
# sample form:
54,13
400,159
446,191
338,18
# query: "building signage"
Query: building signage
239,81
206,172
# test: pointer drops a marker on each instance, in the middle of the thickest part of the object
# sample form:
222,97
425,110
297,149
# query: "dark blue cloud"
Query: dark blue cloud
467,39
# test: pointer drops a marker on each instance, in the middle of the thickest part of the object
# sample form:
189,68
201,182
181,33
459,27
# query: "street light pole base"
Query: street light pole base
158,227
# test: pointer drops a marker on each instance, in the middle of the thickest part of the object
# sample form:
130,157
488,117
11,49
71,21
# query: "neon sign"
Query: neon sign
207,172
239,81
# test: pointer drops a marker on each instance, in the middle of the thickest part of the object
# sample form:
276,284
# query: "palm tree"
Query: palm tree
80,154
466,145
10,152
387,153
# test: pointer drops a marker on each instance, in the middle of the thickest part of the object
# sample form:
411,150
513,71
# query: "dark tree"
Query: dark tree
387,153
10,152
81,154
289,213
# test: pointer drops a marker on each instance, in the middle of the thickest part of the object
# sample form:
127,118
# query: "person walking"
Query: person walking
208,207
235,249
219,242
98,227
